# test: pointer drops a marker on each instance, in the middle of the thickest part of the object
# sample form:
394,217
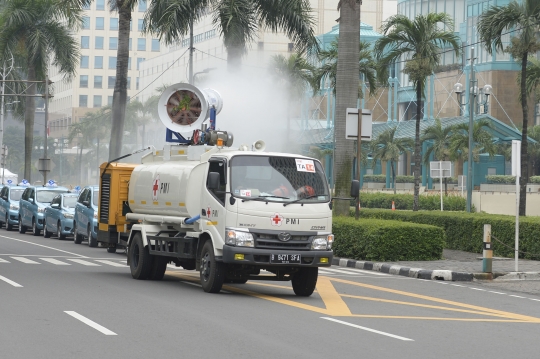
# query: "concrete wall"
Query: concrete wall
505,203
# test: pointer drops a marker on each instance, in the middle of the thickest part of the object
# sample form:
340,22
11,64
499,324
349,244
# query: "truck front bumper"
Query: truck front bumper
254,256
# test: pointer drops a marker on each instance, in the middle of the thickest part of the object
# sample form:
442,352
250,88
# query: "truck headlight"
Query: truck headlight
68,215
14,207
239,239
321,242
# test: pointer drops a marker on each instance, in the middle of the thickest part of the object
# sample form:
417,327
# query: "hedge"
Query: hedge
405,201
534,179
375,178
403,179
500,179
464,231
382,240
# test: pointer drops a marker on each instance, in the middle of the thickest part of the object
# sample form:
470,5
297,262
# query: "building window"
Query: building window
83,82
113,43
100,4
113,24
139,60
260,45
129,63
83,101
112,62
155,45
141,44
137,83
140,24
129,83
98,82
290,47
111,82
98,62
84,62
109,100
99,42
97,100
100,23
85,42
86,6
130,44
86,22
142,5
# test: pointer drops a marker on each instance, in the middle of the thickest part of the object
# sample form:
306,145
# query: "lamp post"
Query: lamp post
481,100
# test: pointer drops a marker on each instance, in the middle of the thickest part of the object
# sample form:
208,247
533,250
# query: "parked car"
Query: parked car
58,217
9,206
32,205
85,220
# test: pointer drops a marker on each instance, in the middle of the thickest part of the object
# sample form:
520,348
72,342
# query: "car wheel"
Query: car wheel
22,227
92,241
35,230
9,227
46,233
59,231
77,238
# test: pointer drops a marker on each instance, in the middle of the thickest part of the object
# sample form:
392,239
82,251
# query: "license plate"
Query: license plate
285,258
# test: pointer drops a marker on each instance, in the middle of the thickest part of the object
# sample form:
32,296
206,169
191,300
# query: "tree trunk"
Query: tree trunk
80,164
120,87
234,58
29,113
393,175
346,96
417,147
524,155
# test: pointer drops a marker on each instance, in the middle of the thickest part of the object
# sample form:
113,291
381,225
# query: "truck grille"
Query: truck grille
271,241
104,198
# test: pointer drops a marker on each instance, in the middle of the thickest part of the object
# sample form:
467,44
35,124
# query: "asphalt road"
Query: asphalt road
62,300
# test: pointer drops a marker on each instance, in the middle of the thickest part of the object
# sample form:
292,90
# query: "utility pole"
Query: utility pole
191,49
472,102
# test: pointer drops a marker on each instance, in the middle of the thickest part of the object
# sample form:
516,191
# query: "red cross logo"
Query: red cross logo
155,188
277,219
208,212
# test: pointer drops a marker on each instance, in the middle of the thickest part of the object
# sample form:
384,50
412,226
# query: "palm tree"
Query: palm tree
387,148
497,20
440,139
328,68
237,21
346,96
41,30
482,137
419,41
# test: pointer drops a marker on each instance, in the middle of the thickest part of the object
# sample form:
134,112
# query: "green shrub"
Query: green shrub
405,201
404,179
534,179
464,231
375,178
382,241
500,179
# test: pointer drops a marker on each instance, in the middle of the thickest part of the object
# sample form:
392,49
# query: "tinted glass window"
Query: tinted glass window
95,198
15,194
47,196
82,196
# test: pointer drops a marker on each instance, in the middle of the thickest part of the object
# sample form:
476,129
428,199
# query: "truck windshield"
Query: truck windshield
280,179
15,194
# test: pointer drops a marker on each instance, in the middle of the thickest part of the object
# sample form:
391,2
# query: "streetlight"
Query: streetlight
481,100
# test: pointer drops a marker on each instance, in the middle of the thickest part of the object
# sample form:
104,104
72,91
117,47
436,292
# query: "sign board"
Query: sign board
440,169
351,124
462,181
516,158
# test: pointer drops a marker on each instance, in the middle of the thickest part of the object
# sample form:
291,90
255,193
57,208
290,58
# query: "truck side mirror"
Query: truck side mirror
355,188
213,181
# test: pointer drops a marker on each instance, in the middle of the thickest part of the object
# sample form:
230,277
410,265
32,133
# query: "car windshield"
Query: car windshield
95,198
15,194
46,196
282,179
70,202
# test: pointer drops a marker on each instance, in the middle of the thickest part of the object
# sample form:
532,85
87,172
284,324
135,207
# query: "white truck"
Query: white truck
228,213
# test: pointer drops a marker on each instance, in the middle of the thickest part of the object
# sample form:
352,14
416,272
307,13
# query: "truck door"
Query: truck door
213,202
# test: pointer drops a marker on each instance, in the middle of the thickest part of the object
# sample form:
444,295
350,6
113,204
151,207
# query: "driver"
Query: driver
281,191
305,192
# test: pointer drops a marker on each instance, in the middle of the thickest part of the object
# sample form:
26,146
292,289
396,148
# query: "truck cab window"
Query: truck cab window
219,167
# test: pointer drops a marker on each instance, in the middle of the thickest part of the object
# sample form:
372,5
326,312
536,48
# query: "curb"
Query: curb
419,273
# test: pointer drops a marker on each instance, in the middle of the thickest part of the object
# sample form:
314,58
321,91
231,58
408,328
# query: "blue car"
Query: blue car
58,216
85,221
32,206
9,206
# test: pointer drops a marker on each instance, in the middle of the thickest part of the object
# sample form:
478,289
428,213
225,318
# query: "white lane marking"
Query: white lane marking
368,329
25,260
55,261
3,261
41,245
483,290
516,296
332,270
490,291
374,272
9,281
457,285
83,262
536,300
114,264
90,323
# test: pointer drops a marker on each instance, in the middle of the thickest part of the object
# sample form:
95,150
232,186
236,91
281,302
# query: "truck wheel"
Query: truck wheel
140,259
46,233
304,281
59,231
92,241
158,268
111,250
212,273
77,238
9,227
22,228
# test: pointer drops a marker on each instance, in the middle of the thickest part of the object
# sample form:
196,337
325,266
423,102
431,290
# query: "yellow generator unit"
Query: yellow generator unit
113,196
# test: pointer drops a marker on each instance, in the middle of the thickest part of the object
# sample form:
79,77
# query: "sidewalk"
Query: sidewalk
455,265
